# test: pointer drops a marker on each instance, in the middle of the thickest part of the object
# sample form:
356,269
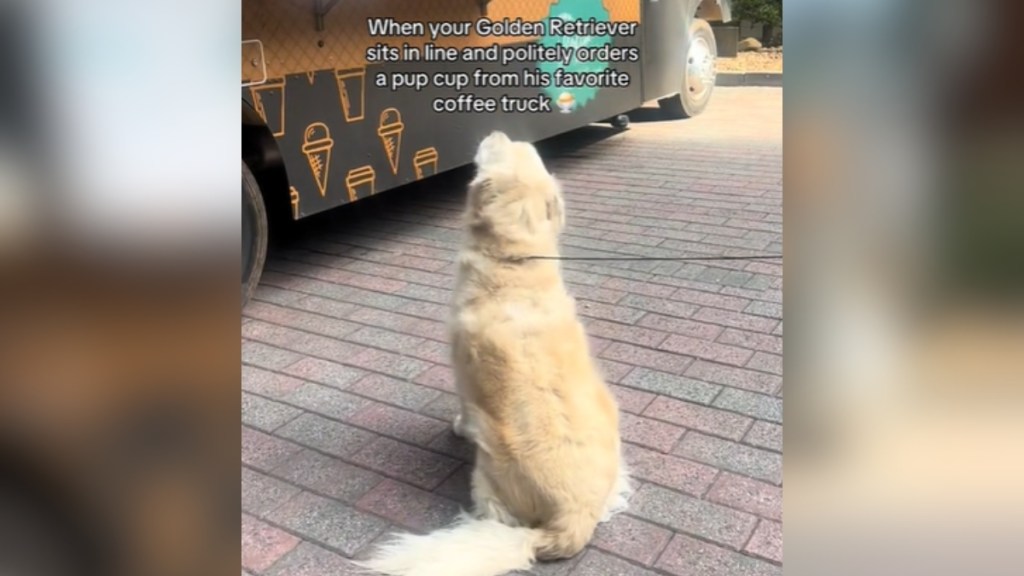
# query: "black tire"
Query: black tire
254,234
695,92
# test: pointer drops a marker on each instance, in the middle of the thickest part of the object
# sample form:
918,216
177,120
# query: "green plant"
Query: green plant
768,13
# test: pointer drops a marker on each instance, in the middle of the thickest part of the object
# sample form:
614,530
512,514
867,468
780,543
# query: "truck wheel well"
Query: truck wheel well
261,153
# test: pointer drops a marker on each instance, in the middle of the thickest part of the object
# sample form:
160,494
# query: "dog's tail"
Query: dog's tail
476,547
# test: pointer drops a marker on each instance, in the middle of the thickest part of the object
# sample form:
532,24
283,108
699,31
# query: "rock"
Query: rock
749,45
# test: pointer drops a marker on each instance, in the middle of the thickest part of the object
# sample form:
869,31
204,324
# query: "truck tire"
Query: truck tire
698,74
254,234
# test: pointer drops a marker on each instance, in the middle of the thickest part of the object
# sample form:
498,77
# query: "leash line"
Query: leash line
652,258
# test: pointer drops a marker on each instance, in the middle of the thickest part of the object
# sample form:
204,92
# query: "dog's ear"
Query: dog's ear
492,150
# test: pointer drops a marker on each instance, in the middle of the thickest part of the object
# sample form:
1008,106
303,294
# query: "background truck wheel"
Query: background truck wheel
698,74
254,234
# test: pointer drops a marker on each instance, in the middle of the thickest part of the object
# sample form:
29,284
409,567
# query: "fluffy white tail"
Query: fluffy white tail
470,547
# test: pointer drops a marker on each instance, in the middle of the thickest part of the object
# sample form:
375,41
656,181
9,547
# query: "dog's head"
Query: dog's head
513,195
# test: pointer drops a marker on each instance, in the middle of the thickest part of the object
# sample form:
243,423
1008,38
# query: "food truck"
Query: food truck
344,99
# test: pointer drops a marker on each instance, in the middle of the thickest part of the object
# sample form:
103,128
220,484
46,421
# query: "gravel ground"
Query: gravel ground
752,62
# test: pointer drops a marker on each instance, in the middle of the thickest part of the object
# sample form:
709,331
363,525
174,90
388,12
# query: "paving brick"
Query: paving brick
613,371
444,407
767,362
671,385
769,309
734,319
648,432
330,522
733,376
401,424
681,326
267,383
439,377
397,365
298,341
307,321
450,444
715,301
326,401
432,351
753,462
667,470
707,350
326,307
767,541
264,414
457,487
327,475
645,357
625,333
263,544
325,435
392,391
689,415
261,493
659,305
611,312
692,515
765,435
641,288
386,339
748,495
324,372
757,405
407,506
416,466
428,310
752,340
263,451
265,356
630,400
400,323
596,563
632,538
308,559
276,295
687,556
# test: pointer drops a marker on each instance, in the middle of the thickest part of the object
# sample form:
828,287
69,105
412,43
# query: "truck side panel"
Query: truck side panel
342,137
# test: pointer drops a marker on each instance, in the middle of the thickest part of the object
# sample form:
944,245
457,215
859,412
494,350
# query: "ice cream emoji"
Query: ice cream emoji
566,102
390,132
425,162
351,88
317,147
360,182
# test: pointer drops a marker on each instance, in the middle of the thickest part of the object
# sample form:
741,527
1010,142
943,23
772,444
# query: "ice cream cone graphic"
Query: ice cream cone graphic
390,132
317,145
360,182
351,89
268,100
425,162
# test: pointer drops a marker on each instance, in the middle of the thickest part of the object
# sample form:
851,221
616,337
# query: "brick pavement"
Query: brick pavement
347,388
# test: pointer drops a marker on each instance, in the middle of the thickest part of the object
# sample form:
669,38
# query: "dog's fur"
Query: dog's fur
548,460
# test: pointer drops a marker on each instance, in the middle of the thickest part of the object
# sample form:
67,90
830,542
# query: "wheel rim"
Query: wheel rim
700,68
248,234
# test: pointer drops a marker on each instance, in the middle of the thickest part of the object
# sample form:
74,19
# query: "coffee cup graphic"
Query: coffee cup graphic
425,162
360,182
352,91
268,100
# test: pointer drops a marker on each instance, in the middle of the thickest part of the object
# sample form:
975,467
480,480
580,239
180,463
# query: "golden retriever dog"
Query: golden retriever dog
544,423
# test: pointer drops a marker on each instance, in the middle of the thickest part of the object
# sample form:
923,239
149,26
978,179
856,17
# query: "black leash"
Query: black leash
651,258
